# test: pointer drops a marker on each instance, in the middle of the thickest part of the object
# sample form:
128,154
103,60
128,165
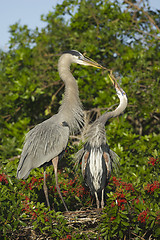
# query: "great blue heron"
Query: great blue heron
97,158
45,144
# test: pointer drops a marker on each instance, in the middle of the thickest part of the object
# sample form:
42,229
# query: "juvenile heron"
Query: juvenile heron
97,158
45,144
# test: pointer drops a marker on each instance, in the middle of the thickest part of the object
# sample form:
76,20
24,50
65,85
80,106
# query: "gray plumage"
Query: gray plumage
44,142
47,141
97,158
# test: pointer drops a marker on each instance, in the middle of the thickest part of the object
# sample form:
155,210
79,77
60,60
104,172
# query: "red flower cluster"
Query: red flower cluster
128,186
136,200
143,216
120,200
3,178
73,188
34,183
120,195
32,211
150,188
125,186
27,208
116,181
153,161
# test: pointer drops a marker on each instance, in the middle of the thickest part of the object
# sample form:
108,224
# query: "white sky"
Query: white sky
28,12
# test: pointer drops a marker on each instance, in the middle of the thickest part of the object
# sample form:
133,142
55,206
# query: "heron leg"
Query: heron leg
45,189
102,199
55,163
97,201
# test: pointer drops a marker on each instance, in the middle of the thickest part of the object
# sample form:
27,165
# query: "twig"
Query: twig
13,158
148,34
137,236
53,97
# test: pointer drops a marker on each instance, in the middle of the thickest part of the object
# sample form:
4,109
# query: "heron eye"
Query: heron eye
123,93
80,57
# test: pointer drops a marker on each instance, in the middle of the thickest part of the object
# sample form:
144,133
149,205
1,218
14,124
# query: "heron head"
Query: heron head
119,90
78,58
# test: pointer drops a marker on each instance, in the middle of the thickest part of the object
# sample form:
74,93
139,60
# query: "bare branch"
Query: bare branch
145,13
15,157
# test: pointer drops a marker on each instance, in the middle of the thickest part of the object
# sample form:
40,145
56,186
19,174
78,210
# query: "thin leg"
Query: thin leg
97,201
102,199
55,163
45,189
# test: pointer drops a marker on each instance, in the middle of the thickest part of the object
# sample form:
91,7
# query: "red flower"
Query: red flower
112,204
65,192
34,215
126,186
150,188
27,199
143,216
68,237
23,182
34,180
153,161
122,207
3,178
112,218
116,181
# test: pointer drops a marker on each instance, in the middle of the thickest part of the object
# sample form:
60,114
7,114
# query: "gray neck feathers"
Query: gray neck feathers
71,108
96,134
121,107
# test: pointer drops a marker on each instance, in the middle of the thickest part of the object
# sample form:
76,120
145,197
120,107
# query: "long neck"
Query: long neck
71,108
121,107
96,135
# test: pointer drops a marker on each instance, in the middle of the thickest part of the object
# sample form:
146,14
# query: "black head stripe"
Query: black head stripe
73,52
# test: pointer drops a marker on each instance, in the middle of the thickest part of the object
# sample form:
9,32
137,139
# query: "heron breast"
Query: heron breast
96,167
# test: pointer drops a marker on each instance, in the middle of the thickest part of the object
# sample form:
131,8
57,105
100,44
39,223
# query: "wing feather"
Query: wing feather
115,160
108,163
44,142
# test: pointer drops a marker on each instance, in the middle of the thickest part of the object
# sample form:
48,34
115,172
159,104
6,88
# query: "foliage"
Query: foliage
132,209
124,37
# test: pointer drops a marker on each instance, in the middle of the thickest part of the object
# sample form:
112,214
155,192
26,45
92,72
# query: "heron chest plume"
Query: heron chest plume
95,167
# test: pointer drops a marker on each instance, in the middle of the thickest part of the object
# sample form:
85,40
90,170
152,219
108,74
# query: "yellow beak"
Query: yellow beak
91,62
113,80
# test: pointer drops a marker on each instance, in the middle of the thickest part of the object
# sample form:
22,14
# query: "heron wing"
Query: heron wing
115,160
83,155
44,142
84,162
78,157
108,163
